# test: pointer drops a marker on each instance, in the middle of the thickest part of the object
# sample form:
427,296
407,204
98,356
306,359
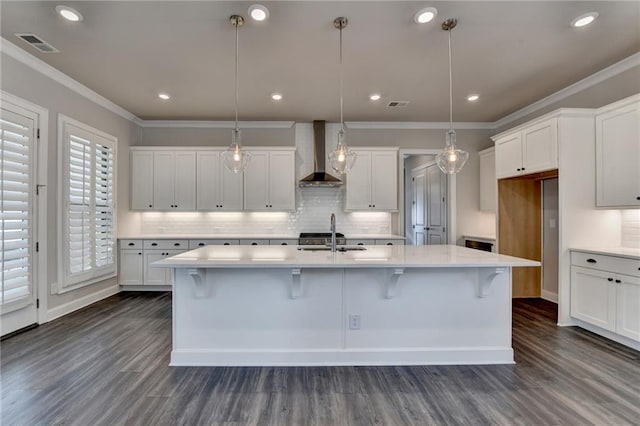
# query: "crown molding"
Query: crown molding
417,125
587,82
202,124
58,76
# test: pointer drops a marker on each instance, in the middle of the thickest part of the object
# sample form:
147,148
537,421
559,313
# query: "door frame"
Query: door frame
451,193
42,149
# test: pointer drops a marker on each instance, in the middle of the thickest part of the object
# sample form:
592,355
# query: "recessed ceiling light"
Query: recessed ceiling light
276,96
69,13
584,20
472,98
164,96
258,12
375,96
425,15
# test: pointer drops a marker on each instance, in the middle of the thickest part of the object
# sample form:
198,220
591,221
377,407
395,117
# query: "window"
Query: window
88,216
17,149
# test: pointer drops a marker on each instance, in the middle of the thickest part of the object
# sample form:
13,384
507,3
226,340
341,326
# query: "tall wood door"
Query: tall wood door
436,206
419,214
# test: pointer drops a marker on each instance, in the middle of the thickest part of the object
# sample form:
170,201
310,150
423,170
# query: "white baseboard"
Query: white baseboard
145,287
418,356
80,303
551,297
609,335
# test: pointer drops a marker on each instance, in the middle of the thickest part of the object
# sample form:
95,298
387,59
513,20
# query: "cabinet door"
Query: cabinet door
358,195
540,147
130,267
384,180
628,307
509,156
163,180
231,191
256,182
282,181
153,275
617,157
141,180
488,183
208,181
593,297
184,186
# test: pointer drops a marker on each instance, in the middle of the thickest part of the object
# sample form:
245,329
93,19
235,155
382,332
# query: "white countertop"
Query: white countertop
480,237
250,237
444,256
628,252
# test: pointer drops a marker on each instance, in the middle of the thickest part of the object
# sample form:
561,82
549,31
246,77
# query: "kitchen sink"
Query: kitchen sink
325,248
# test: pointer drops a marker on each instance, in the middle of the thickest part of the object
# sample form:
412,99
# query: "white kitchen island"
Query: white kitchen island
386,305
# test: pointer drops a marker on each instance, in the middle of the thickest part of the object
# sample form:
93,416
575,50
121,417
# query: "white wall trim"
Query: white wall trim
585,83
417,125
197,124
48,71
550,296
80,303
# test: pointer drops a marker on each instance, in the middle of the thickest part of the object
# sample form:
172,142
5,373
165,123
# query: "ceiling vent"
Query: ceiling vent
37,42
398,104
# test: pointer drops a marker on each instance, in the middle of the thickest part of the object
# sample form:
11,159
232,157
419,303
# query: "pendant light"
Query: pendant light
235,158
342,158
451,159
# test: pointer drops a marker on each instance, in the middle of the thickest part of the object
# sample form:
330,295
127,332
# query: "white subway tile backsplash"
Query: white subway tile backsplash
631,228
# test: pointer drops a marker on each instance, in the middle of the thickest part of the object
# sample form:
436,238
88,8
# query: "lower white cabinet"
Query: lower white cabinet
131,267
604,294
136,257
154,275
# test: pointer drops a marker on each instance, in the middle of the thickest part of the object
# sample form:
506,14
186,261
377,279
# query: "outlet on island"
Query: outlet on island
354,321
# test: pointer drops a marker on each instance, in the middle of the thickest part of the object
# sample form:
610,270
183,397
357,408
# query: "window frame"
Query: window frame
67,281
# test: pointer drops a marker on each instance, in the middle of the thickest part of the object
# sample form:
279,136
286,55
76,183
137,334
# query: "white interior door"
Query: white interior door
418,216
436,205
17,219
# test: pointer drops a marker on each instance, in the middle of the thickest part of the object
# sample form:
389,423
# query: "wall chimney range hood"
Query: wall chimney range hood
319,178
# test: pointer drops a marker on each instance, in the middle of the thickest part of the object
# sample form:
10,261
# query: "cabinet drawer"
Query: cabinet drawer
256,242
286,242
360,242
166,244
389,242
194,244
615,264
131,244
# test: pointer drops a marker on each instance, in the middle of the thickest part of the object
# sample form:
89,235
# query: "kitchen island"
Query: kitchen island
386,305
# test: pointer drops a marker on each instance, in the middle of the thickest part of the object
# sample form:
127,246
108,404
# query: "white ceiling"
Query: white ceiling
511,53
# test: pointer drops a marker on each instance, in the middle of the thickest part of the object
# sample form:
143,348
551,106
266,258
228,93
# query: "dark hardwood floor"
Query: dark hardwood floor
108,365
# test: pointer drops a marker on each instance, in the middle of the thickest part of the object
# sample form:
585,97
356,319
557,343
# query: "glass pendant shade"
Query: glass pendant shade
342,158
451,160
235,158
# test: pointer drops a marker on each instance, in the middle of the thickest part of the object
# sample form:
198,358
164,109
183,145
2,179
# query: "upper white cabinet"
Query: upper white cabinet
142,180
217,188
618,154
530,149
372,183
488,188
269,180
174,180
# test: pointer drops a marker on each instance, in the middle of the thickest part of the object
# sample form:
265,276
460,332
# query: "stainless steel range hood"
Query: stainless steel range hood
319,178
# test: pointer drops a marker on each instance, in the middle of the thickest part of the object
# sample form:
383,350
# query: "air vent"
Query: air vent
398,104
37,42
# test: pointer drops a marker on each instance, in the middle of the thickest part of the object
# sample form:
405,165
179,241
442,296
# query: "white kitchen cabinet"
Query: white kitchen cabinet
131,267
217,188
157,276
530,149
605,292
488,182
174,180
141,180
618,154
372,183
269,181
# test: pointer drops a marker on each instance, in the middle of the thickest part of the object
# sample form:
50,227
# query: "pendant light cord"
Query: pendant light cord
341,83
236,73
450,86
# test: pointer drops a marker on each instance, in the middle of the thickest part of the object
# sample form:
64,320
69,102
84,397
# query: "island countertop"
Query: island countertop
434,256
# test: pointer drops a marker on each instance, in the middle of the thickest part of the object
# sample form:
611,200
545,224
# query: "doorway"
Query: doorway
425,201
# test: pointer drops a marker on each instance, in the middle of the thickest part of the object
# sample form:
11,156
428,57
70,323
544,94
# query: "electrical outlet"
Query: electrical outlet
354,321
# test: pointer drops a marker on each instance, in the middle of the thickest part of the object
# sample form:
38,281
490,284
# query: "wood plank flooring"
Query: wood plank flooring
108,365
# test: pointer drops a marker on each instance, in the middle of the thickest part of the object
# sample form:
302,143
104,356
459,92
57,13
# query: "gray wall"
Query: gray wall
155,136
34,87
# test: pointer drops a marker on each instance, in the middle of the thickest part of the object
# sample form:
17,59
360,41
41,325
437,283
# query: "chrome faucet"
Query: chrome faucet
333,232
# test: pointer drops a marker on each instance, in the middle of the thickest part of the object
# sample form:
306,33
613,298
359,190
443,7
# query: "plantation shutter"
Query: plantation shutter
90,221
16,187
